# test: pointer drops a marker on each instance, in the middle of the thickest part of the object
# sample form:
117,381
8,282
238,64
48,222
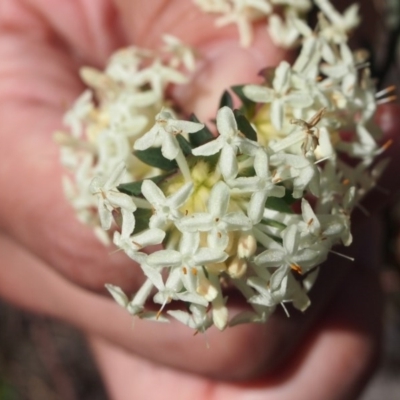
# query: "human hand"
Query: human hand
53,264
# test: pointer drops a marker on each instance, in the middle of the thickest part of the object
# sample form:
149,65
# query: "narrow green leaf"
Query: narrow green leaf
135,188
226,100
238,90
142,218
245,126
185,146
281,204
200,137
153,157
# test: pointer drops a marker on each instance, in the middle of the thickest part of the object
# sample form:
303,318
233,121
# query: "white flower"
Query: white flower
289,254
180,52
159,76
75,117
198,318
282,287
302,172
343,211
217,221
242,13
230,142
136,305
133,244
166,208
280,95
163,134
124,64
110,199
343,70
282,30
259,314
365,147
261,186
321,228
340,25
188,260
172,289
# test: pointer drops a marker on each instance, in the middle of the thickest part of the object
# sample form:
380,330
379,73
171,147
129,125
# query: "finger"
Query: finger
222,61
38,77
29,282
334,362
85,30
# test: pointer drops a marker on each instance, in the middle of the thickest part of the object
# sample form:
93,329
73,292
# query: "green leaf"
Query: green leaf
135,188
282,204
185,146
200,137
238,90
153,157
245,126
142,217
7,392
226,100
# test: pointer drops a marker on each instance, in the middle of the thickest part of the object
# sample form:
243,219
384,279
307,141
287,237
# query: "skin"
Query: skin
52,264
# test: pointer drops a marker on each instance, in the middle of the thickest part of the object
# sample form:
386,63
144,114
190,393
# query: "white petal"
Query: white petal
197,222
116,176
154,276
170,147
209,148
170,258
226,123
270,257
259,94
261,164
121,200
118,295
219,199
149,237
256,206
147,140
290,239
128,223
282,76
189,243
105,216
228,163
180,197
152,192
277,113
298,99
207,256
237,221
185,126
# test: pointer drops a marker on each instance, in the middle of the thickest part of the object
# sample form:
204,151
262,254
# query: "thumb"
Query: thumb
225,63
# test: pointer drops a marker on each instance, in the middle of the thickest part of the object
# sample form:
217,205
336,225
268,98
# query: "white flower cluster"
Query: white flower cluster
284,19
105,121
256,208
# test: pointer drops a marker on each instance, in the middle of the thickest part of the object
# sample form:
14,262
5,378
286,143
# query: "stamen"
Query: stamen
296,268
322,159
342,255
387,144
285,309
387,100
385,91
364,210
